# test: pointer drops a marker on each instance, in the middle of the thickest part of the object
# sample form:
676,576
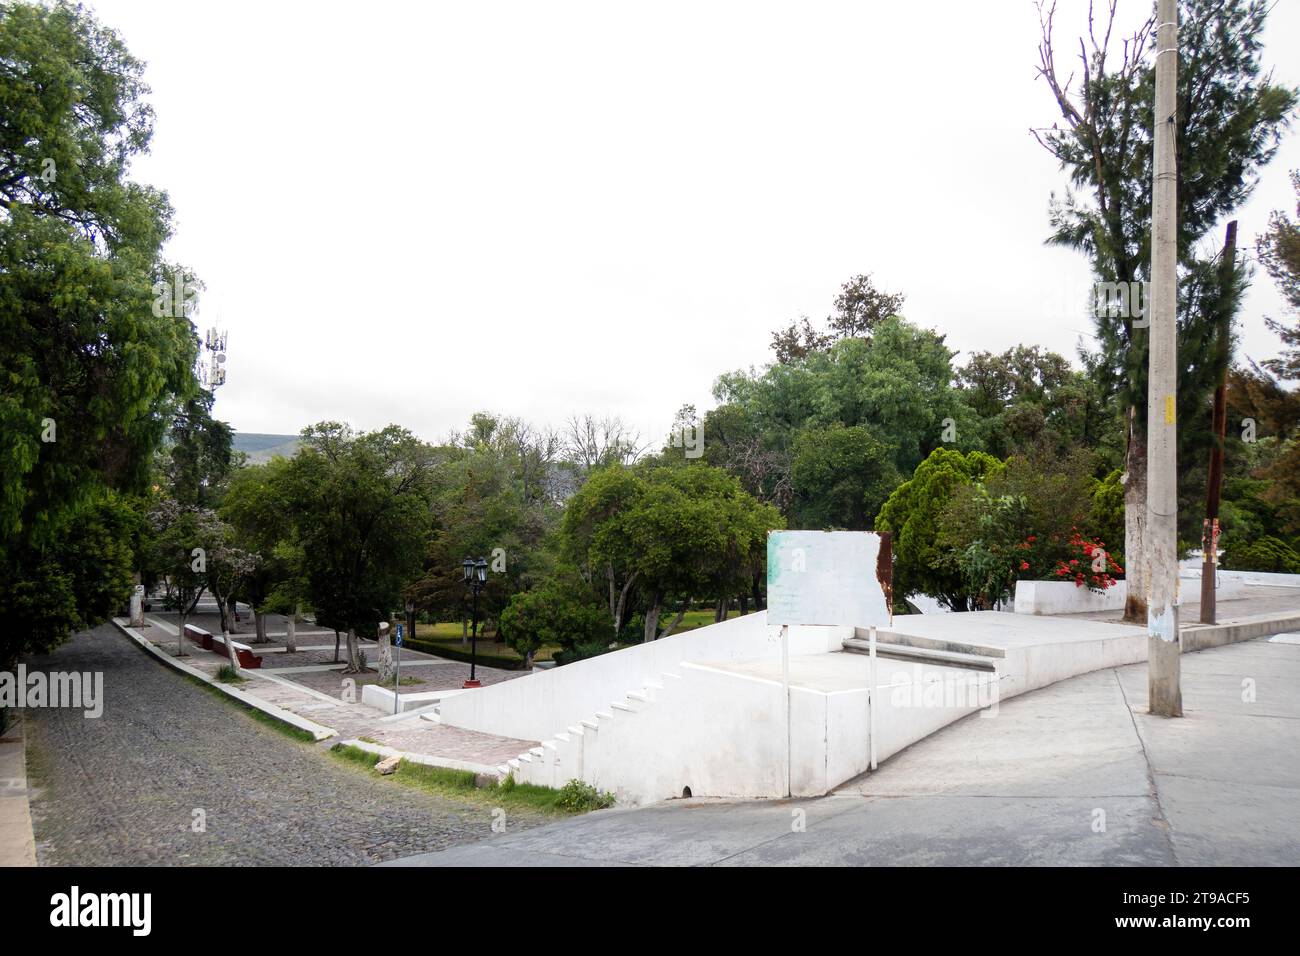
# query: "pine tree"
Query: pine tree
1230,120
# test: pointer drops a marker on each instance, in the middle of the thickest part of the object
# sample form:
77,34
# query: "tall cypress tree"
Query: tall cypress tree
1230,120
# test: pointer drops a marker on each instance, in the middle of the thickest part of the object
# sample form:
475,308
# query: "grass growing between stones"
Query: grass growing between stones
507,794
290,731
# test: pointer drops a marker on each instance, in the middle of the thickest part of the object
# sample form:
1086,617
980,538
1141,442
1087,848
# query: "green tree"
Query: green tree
671,533
859,308
1016,521
360,503
1030,400
560,612
256,506
88,371
841,477
1230,118
898,385
913,514
1279,252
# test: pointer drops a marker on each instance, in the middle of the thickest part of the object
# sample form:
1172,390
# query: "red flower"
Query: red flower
1024,565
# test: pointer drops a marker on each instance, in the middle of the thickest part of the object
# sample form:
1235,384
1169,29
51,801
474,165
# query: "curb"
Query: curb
1199,637
318,731
449,763
17,838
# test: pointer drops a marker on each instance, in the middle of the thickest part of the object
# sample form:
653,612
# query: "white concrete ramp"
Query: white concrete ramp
705,712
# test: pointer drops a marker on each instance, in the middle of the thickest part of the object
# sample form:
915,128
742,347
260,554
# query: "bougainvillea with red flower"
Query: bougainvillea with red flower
1088,565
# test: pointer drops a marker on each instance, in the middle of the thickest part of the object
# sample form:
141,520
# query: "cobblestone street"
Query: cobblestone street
123,789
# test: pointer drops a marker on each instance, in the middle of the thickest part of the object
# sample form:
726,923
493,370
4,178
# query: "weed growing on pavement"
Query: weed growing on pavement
461,784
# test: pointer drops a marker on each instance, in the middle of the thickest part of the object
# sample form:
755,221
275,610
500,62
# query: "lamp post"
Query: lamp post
475,577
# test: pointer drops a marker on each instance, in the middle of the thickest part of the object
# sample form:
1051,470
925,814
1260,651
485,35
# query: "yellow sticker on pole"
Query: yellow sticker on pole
1169,409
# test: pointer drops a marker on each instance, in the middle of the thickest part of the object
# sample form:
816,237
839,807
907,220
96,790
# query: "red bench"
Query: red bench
243,653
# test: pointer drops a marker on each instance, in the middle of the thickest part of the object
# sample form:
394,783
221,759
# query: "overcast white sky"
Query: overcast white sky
407,212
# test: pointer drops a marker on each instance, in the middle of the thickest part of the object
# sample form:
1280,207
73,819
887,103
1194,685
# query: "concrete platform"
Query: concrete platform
1076,774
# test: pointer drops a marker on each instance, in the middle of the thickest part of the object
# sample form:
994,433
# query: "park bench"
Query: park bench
205,639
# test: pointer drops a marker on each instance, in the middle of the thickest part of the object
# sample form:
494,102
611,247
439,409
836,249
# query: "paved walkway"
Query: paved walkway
1074,774
122,789
307,684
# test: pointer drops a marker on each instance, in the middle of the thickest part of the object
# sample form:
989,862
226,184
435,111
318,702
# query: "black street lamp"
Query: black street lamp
475,577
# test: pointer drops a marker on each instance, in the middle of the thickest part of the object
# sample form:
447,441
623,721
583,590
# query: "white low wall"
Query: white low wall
544,702
1267,578
1065,597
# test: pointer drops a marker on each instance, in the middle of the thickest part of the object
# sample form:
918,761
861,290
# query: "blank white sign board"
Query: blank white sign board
824,577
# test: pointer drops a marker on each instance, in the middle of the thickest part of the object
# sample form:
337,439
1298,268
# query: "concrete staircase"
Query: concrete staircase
574,753
891,650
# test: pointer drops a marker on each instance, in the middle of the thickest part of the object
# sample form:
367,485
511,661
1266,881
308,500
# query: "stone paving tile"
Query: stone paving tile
443,675
121,789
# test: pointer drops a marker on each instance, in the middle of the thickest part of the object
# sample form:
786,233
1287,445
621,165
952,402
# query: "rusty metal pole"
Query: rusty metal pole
1219,424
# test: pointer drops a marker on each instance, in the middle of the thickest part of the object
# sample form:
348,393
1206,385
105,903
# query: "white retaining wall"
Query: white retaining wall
722,733
536,706
1065,597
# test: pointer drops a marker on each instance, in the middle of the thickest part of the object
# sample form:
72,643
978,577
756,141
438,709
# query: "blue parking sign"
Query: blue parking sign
399,635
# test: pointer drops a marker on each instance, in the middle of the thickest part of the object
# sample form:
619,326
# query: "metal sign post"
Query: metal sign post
871,698
397,673
785,687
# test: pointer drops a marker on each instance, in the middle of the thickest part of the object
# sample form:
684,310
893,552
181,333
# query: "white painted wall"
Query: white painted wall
544,702
723,734
1065,597
1266,578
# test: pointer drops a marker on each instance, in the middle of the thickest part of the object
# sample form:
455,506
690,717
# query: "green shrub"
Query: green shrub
578,797
580,652
230,675
561,611
1264,554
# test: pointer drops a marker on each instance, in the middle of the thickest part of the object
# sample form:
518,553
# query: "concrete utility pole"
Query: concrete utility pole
1164,690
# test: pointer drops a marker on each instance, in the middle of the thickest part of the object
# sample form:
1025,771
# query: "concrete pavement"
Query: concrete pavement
17,843
1075,774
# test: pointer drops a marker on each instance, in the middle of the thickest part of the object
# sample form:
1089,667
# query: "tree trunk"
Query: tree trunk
1136,572
354,653
259,625
221,610
180,634
386,669
230,650
619,607
291,633
336,645
757,592
464,630
652,616
232,615
677,620
720,610
744,604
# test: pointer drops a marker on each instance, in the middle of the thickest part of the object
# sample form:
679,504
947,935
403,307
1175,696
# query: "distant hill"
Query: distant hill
262,448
